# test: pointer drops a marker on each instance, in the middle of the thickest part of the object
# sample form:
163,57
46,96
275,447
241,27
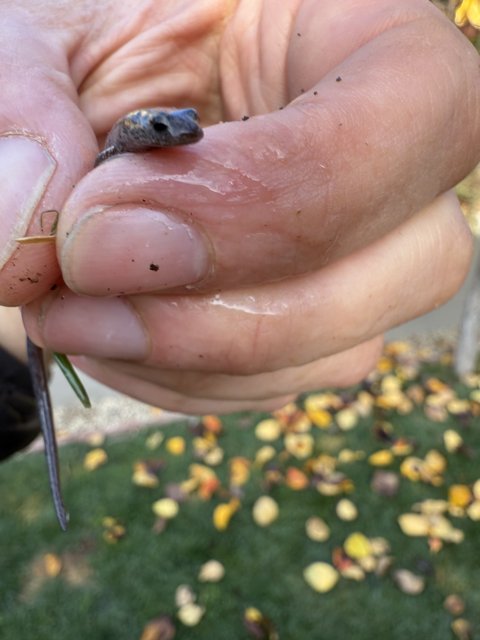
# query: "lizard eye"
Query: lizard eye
159,126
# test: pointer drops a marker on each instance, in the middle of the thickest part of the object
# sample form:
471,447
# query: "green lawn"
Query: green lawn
103,590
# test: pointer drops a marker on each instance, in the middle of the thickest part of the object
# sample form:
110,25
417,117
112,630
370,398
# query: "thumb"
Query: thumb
46,145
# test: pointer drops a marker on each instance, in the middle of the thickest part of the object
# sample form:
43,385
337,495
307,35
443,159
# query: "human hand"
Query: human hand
286,244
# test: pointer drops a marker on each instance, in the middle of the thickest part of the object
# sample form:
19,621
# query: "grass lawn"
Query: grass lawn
108,578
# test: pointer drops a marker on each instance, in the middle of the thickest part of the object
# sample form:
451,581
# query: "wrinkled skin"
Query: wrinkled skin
269,258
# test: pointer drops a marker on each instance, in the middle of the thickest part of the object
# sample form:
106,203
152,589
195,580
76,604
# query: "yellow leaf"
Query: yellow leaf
211,571
468,12
175,446
435,461
264,455
143,477
223,513
346,510
94,459
165,508
459,495
353,572
346,456
414,524
381,458
452,440
408,582
252,614
239,471
462,629
114,531
299,445
443,529
268,430
265,511
184,594
346,419
357,546
190,614
52,564
317,529
411,468
431,507
322,577
473,511
154,440
458,406
214,457
316,409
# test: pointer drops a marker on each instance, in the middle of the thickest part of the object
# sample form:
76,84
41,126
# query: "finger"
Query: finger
340,370
285,193
286,324
45,146
171,400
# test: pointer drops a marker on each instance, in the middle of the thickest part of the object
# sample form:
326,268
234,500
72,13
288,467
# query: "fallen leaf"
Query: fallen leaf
346,419
265,511
259,626
353,572
211,571
175,445
317,529
165,508
223,513
154,440
436,461
414,524
459,495
184,595
299,445
454,604
239,470
143,476
357,546
385,483
346,510
190,614
452,440
408,582
213,424
161,628
462,629
94,459
321,576
473,511
381,458
214,457
268,430
347,456
114,530
52,564
265,454
296,479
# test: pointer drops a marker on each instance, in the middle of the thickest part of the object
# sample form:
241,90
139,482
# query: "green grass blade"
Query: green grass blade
72,378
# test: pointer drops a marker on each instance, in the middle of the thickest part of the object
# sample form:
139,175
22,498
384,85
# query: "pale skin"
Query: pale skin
287,244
